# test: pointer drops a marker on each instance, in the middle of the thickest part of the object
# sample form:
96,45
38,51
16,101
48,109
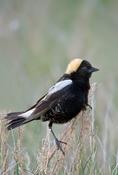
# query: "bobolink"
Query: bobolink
62,102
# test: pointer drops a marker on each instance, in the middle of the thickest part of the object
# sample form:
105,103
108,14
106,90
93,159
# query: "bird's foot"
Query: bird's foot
58,142
59,145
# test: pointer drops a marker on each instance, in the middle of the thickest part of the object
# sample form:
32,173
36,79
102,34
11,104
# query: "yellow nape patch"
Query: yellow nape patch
73,65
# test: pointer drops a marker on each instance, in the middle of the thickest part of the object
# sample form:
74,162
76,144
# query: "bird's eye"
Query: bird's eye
84,68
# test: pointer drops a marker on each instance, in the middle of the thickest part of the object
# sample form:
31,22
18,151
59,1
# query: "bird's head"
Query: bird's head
82,68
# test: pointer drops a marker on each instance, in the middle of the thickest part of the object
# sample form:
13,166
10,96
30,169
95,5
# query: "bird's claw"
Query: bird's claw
59,146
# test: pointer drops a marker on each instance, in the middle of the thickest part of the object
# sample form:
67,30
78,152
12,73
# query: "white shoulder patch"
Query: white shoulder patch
58,86
27,114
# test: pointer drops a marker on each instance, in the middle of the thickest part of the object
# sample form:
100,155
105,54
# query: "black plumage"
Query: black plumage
62,102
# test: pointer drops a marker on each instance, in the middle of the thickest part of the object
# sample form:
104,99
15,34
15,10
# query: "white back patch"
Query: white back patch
59,86
27,114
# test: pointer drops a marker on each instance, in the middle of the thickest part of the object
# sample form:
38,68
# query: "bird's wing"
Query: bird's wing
45,103
53,95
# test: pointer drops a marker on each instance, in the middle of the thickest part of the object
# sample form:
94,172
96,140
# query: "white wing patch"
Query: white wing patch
58,86
27,114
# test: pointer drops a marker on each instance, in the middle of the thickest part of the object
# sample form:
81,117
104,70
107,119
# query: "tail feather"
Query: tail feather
17,119
15,123
12,115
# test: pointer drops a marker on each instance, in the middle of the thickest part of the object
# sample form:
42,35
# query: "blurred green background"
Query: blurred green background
37,40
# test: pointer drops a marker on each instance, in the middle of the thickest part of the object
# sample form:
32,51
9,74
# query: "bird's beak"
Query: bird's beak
93,69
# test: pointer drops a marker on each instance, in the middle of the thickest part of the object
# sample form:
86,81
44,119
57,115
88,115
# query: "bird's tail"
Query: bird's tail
17,119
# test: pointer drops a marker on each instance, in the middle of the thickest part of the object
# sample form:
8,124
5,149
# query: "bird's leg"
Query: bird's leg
58,142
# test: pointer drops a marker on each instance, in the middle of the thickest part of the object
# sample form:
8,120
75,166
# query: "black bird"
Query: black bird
62,102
